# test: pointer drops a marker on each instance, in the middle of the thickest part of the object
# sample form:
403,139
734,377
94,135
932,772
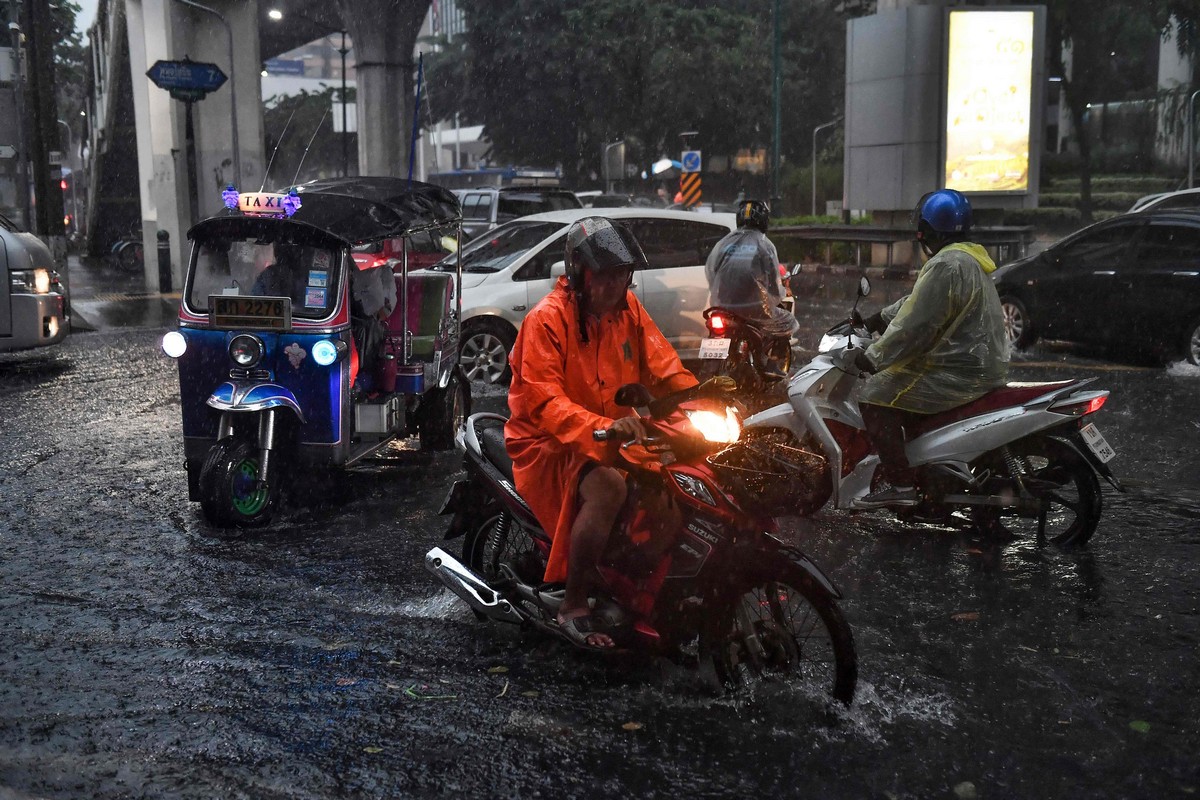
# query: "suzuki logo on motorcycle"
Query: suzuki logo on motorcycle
703,534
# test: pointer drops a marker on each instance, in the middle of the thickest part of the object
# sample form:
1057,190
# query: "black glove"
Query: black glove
875,323
863,363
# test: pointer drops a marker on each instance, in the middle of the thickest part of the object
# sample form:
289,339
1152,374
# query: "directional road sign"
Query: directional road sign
191,78
690,161
7,151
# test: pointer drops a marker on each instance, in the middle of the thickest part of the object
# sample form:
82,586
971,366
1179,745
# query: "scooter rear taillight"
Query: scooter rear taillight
1080,407
716,325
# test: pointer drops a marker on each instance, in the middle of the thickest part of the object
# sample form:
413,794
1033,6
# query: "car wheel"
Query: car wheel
1017,325
483,355
1191,342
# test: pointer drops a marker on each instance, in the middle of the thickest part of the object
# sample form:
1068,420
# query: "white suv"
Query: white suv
508,270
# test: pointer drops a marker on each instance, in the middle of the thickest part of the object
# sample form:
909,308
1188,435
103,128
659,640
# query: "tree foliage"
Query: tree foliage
554,81
69,63
1106,40
303,121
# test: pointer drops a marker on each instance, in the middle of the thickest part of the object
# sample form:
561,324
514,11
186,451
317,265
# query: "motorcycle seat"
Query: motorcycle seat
1013,394
492,441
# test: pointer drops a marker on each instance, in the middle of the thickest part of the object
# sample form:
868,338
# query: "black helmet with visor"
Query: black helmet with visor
599,245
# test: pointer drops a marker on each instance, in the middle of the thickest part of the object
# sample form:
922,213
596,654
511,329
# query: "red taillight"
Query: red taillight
716,324
1081,408
783,270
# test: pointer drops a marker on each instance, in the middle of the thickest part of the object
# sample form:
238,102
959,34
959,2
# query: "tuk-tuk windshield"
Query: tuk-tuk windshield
309,275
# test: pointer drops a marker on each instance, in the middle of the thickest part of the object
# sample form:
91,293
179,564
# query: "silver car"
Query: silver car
33,301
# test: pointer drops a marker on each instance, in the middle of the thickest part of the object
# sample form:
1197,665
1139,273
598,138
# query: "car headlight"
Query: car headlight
24,281
716,427
246,350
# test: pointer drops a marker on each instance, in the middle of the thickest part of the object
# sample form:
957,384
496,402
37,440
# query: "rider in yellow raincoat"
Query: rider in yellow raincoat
944,344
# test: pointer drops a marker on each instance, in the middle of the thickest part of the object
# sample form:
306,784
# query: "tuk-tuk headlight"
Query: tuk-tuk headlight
246,350
174,344
326,352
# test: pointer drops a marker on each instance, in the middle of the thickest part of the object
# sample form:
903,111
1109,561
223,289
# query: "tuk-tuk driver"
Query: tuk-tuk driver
577,346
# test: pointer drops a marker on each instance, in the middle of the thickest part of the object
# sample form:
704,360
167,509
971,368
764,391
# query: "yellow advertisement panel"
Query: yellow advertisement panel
988,100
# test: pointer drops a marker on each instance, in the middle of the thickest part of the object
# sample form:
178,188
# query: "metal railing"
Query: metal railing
1004,242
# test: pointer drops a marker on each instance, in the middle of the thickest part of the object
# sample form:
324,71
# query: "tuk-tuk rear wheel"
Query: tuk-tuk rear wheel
446,411
231,494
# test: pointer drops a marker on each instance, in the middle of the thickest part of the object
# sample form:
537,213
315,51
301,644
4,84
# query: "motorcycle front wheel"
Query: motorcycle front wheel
1055,474
779,623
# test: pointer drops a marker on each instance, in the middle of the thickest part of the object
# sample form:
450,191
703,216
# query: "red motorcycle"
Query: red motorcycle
724,592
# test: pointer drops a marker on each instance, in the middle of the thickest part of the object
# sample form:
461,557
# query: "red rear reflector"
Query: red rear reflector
716,323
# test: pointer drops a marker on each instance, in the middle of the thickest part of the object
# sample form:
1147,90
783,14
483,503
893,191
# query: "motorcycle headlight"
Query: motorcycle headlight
716,427
246,350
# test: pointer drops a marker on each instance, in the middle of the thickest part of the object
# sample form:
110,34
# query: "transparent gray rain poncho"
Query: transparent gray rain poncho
945,344
743,276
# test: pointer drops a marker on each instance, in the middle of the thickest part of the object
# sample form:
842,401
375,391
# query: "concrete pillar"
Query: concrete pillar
385,34
169,30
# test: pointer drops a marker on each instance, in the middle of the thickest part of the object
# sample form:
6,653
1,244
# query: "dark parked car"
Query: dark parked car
1133,280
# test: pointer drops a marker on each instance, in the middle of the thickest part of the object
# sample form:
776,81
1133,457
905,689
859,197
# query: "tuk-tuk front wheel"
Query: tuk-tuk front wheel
231,494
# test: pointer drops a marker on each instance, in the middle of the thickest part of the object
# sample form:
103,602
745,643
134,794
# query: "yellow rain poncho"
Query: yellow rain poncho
945,343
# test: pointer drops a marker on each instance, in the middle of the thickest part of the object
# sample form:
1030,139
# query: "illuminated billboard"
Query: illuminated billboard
989,87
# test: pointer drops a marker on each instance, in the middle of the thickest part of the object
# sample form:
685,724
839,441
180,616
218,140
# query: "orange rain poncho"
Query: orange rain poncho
563,389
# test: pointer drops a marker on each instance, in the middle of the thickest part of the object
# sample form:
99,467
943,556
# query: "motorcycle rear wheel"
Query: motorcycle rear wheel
1057,473
780,623
494,541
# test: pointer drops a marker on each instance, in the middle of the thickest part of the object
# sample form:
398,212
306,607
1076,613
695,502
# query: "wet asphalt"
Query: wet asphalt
143,654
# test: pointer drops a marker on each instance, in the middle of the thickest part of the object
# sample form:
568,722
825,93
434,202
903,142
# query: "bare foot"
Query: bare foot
577,625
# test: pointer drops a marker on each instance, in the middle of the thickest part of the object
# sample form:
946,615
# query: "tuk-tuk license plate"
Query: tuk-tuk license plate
1096,443
714,348
261,313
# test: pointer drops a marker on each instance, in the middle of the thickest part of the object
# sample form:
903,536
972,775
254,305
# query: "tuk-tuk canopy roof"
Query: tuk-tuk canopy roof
351,211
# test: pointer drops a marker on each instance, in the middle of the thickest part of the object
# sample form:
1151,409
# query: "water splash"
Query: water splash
1183,369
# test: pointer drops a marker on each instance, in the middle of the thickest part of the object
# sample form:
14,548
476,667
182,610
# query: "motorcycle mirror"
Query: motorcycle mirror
633,395
864,286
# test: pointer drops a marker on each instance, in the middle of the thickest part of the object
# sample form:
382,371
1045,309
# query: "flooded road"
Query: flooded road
144,655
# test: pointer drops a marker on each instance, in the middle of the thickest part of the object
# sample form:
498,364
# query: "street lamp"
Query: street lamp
814,161
233,128
607,166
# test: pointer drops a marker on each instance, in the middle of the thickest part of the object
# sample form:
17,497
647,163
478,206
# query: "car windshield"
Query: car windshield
513,205
496,249
308,275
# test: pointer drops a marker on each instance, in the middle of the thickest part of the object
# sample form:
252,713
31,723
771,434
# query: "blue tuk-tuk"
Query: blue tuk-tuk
280,367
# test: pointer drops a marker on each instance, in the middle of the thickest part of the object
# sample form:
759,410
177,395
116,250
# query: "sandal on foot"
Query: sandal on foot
576,630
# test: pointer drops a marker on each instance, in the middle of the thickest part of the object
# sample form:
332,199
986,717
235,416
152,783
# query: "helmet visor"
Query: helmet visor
599,245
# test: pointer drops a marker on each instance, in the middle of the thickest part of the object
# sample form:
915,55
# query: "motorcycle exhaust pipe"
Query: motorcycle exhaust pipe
470,587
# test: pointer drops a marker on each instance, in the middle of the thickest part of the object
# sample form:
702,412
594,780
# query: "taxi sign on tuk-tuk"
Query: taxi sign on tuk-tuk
283,368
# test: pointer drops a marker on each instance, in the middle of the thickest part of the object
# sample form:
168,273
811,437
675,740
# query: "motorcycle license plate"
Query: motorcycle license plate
715,348
1096,443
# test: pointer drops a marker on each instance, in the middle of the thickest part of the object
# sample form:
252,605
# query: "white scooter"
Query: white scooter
1021,456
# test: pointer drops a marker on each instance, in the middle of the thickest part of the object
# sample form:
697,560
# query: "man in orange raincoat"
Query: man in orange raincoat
580,344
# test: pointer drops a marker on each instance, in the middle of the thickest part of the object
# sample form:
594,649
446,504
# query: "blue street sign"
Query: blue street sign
189,76
690,161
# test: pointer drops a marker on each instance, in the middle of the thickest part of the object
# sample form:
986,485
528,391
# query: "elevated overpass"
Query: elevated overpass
138,145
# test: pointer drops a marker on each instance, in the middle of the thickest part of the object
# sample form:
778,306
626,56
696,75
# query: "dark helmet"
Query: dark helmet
755,214
597,244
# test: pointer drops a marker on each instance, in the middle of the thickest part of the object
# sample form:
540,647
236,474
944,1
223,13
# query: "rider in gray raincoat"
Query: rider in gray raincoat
743,273
942,346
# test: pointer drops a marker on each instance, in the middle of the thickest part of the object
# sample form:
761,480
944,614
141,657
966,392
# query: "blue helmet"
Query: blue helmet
945,212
